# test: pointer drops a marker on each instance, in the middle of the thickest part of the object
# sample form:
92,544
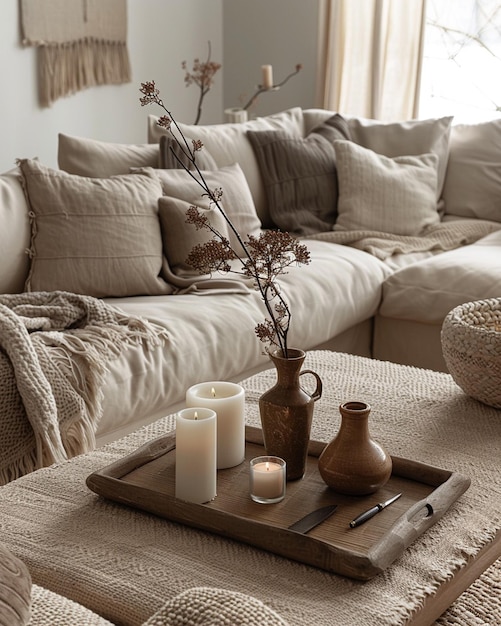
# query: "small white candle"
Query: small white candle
196,469
228,401
267,479
267,76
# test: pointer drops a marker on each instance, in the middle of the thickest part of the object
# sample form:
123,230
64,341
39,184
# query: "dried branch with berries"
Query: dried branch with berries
263,259
201,75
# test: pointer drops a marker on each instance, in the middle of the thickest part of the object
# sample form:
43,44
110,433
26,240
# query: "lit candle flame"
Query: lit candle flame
195,416
213,392
267,466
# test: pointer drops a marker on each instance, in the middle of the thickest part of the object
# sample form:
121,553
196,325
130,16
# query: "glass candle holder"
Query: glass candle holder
267,479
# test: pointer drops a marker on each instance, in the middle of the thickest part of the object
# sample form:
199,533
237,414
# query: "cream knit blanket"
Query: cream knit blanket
54,348
442,236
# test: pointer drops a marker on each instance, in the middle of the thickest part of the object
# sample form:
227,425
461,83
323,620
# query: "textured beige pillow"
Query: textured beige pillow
228,144
15,590
178,237
95,236
412,137
473,182
171,153
299,175
388,195
236,200
99,159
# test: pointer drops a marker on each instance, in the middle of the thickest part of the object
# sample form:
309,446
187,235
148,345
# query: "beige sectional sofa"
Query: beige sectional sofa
413,229
413,214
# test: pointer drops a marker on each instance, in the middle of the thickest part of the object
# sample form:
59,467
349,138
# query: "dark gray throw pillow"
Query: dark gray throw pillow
299,175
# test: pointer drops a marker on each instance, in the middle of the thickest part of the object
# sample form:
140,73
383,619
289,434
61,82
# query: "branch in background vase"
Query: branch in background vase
268,85
201,75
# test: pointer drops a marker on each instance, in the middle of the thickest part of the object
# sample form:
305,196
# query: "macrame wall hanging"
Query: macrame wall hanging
81,43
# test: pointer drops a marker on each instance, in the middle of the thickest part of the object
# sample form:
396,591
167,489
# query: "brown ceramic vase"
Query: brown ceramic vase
286,412
353,463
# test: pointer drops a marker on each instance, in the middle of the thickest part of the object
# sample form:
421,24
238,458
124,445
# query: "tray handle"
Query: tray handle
420,516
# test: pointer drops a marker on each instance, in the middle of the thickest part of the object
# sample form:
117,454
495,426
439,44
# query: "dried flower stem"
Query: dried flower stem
265,256
201,75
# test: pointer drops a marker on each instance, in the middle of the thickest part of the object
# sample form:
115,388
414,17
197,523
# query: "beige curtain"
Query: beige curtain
370,54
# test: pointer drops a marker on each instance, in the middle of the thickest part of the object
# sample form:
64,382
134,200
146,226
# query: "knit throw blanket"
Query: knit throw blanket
54,350
81,43
442,236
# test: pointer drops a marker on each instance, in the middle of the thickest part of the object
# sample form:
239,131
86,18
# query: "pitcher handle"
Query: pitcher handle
317,394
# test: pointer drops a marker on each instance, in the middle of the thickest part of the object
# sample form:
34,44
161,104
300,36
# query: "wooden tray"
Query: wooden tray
145,480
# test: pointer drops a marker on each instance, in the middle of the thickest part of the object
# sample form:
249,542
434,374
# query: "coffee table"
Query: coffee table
124,564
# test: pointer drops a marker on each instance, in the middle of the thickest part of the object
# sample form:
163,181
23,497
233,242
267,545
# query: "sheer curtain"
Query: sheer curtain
370,55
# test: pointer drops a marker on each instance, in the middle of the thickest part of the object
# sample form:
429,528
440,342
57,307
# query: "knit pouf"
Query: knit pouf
471,345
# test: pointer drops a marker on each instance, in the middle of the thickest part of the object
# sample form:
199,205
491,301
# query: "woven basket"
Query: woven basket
471,345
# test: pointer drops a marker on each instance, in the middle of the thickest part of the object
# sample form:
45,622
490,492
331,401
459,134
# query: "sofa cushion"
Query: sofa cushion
14,233
473,182
412,137
428,290
229,144
178,237
299,175
94,236
100,159
208,606
15,590
236,199
392,195
172,156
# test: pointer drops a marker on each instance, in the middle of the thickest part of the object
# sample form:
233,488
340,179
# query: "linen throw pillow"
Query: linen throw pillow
412,137
15,590
382,194
229,144
100,159
473,182
236,200
299,175
178,237
95,236
170,149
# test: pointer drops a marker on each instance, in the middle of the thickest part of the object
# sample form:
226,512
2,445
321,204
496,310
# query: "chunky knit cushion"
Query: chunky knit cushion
15,590
204,606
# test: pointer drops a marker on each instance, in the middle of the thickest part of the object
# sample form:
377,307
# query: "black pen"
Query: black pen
367,515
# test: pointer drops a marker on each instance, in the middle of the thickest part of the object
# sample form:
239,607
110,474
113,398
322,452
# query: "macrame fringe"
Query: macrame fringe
65,68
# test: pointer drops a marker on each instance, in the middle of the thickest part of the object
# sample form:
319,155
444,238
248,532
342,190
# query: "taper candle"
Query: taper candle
228,401
196,469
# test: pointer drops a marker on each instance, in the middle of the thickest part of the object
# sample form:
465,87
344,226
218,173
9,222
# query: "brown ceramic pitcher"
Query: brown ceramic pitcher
286,412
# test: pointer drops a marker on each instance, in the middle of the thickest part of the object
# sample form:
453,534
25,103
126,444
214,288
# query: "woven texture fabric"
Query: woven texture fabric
51,609
15,590
471,344
80,43
55,348
125,565
442,236
204,606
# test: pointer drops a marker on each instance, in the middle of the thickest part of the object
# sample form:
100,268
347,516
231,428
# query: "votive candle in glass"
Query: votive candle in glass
267,479
196,448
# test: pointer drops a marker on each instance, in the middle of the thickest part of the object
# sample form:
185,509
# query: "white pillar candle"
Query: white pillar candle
267,479
267,76
196,469
228,401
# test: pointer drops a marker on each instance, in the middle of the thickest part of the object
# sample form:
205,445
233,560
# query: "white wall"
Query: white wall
161,34
244,34
280,33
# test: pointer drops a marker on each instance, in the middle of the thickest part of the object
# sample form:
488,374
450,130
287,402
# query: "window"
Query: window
461,72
